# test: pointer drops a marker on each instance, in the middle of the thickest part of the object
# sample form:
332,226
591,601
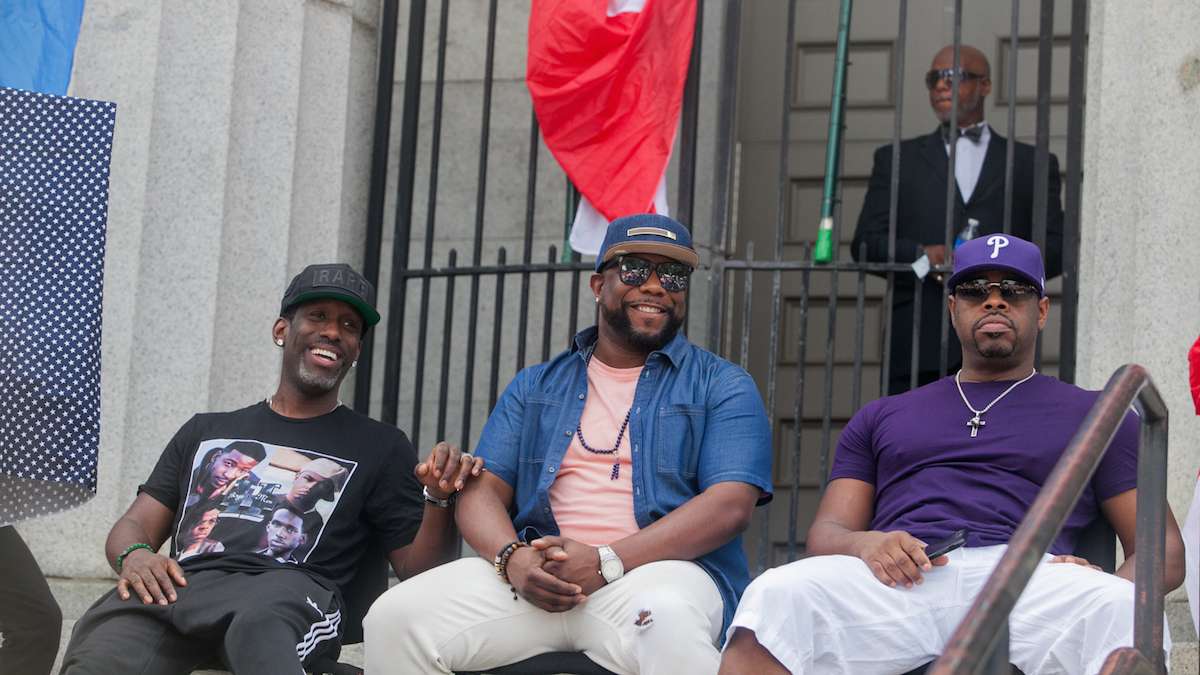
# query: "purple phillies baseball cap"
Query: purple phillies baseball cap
647,233
999,252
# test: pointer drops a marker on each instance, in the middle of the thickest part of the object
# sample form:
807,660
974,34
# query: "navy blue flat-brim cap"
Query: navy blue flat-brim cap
335,281
999,252
648,233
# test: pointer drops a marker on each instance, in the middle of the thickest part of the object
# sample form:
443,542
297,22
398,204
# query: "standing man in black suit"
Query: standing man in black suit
921,208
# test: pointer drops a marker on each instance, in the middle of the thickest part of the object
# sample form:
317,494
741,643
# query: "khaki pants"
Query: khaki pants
663,617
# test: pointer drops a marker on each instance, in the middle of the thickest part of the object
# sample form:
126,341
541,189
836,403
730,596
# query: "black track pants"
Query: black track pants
264,623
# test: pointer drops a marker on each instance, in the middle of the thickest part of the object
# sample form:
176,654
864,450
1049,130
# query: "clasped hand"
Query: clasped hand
555,573
447,470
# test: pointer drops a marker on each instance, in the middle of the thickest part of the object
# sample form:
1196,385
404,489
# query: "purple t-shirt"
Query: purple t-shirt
931,478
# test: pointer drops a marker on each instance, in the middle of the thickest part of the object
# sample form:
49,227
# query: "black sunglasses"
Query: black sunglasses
672,274
937,75
977,290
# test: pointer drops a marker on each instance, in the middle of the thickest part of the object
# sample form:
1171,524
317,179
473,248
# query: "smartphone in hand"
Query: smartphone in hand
944,546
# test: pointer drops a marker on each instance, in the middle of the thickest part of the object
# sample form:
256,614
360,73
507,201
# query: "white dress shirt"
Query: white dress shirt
968,160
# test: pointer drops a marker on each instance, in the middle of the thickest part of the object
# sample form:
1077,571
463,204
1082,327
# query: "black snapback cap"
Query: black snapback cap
337,281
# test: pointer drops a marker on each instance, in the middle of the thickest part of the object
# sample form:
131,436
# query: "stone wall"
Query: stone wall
1139,291
241,153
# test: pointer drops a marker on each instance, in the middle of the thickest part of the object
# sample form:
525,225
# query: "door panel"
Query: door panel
871,102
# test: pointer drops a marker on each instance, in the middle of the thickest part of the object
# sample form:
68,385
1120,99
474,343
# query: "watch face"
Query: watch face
610,569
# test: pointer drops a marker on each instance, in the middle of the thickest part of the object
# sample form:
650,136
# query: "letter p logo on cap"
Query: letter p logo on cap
997,242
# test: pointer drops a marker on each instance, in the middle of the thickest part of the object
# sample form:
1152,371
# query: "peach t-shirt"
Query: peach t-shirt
589,506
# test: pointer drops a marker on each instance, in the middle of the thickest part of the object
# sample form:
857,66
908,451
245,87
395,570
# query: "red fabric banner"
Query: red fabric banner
607,91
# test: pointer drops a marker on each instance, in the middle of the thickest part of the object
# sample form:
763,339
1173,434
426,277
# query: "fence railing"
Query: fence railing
477,284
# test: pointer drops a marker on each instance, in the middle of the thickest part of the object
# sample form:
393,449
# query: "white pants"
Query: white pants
663,617
829,614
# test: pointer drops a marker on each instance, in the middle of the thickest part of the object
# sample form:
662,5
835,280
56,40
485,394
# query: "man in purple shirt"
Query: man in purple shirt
970,451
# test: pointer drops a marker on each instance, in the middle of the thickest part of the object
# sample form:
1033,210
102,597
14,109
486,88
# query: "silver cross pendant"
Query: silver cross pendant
975,422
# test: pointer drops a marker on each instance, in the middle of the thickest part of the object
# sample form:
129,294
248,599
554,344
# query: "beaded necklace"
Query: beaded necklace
616,467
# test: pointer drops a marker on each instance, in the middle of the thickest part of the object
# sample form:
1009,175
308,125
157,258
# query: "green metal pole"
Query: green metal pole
823,253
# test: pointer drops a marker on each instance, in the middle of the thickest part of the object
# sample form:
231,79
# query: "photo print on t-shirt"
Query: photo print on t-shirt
245,496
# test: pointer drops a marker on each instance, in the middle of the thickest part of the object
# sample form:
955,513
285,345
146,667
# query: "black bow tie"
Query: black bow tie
973,133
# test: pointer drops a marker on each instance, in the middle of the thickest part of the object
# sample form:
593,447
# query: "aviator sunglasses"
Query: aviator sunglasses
672,274
937,75
977,290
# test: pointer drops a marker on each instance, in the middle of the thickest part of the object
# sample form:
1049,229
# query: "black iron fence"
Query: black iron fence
478,281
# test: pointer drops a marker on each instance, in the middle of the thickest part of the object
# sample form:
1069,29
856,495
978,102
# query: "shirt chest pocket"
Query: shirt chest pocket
677,439
540,427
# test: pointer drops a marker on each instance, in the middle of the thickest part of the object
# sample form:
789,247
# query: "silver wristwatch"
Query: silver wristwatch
440,503
611,567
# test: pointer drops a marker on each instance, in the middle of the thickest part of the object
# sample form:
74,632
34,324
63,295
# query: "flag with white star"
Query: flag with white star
54,162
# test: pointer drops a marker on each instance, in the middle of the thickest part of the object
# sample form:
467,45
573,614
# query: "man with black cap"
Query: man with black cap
266,608
630,464
967,452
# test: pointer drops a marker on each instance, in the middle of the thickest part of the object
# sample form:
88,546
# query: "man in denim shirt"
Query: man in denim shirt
621,473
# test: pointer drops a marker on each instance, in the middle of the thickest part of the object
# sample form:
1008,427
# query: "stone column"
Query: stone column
241,154
1139,286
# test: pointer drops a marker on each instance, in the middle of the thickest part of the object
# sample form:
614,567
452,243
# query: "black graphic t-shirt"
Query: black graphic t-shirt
254,490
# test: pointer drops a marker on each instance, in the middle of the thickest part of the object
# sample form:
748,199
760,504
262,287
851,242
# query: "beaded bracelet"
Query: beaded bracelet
130,549
501,560
501,563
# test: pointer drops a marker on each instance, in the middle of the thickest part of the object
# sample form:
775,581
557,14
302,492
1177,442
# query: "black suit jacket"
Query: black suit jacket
920,221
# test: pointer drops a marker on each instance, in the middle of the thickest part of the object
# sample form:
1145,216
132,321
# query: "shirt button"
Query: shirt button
551,469
635,448
567,432
581,397
545,509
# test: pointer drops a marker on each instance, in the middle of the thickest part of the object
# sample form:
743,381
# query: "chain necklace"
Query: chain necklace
271,404
616,467
976,422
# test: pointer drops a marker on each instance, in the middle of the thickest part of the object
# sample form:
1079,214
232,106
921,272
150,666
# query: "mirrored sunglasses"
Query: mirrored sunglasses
937,75
672,274
977,290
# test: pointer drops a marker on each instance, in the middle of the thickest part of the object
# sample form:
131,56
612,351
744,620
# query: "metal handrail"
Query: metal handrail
979,633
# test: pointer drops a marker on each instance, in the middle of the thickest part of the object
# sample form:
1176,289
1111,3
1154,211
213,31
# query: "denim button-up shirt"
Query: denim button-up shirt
697,420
